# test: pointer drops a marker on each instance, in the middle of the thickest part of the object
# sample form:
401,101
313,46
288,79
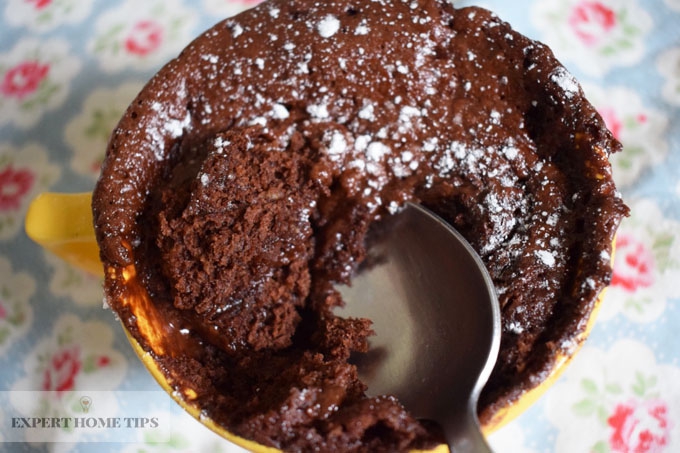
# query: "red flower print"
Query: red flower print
591,21
14,184
639,427
40,4
612,121
634,264
3,311
144,37
60,374
24,78
102,361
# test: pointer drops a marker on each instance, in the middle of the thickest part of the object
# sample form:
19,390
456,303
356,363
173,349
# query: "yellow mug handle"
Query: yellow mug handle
62,223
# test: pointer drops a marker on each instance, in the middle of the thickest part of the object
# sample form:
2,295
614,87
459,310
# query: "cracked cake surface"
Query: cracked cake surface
240,185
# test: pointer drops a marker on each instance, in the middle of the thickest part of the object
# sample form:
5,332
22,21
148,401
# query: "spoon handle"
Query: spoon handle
465,436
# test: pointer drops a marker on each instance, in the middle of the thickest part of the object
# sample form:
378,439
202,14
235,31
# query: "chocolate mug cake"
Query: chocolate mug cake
240,185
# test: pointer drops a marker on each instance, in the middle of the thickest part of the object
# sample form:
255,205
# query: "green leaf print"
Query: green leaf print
158,10
600,447
643,384
4,334
71,278
102,123
585,408
631,30
89,364
633,151
589,386
625,43
608,51
638,305
6,222
44,17
105,41
614,388
42,96
661,249
65,337
630,122
76,407
602,415
17,316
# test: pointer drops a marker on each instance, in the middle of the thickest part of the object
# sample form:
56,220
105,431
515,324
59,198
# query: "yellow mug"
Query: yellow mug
62,223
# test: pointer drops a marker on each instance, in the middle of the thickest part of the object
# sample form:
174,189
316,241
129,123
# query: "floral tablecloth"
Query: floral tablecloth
68,68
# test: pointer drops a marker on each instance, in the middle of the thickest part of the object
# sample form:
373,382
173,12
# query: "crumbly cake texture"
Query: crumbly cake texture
243,180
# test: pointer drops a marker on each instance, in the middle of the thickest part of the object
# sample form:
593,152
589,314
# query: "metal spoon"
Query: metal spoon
437,323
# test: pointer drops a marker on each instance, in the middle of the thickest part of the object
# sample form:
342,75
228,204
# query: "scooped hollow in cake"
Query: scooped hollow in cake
254,165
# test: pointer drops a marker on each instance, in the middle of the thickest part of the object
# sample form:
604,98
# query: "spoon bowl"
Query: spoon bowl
436,320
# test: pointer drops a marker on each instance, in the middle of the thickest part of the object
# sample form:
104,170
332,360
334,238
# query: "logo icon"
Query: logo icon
86,403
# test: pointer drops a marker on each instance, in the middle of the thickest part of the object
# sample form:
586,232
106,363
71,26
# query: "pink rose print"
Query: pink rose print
634,264
3,311
639,428
40,4
591,21
612,120
145,37
14,184
616,124
24,78
62,370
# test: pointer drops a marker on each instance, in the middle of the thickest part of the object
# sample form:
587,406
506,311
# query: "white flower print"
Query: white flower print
620,400
668,65
594,35
646,265
639,128
228,8
16,313
78,285
141,35
35,77
24,173
77,356
509,439
88,132
45,15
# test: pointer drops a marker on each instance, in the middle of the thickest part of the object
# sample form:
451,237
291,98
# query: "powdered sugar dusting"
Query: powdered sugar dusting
328,26
514,327
236,30
280,112
319,111
338,144
362,29
546,257
566,81
376,151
